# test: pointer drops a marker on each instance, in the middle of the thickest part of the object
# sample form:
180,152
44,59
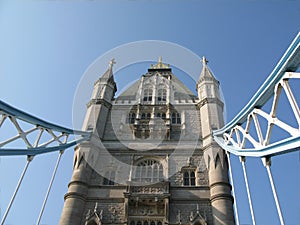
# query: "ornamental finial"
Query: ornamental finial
160,59
111,63
204,61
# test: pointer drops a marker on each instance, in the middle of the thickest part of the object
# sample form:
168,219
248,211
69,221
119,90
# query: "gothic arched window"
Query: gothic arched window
147,95
176,118
149,170
162,95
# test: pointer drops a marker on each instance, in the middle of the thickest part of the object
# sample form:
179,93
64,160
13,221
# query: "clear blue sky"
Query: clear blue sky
46,46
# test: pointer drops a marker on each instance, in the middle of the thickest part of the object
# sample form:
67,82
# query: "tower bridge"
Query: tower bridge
159,154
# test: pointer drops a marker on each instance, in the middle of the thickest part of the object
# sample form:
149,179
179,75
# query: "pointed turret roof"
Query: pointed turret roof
206,72
109,72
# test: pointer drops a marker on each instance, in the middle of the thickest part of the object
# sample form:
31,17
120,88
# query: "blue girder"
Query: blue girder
18,114
289,62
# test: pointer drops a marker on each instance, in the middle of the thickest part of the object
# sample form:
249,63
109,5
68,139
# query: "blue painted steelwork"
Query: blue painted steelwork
290,62
80,136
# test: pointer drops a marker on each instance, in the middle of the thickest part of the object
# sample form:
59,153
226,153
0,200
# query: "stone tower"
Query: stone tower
211,116
151,159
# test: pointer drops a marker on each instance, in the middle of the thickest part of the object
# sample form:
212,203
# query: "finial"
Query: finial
111,63
160,59
204,61
198,209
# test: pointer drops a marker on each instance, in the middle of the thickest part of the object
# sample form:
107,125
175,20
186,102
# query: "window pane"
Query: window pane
186,178
193,181
105,181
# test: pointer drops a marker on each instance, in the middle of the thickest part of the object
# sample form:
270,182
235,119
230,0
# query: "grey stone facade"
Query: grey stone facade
151,159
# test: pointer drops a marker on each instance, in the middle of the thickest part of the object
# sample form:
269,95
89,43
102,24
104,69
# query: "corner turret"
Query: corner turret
101,101
105,87
211,116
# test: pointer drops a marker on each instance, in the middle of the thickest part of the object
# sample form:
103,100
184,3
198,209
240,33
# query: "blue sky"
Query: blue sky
46,46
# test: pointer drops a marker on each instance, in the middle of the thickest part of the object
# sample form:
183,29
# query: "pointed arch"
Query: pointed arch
217,161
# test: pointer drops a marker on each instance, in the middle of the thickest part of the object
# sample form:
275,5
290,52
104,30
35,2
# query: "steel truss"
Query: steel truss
41,137
234,136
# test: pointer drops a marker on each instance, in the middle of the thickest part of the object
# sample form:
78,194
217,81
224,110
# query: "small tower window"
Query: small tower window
147,95
109,178
130,118
189,178
148,115
162,95
163,116
176,118
158,115
132,223
143,116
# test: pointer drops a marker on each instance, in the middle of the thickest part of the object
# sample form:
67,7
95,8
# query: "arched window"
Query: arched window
192,178
162,95
130,118
176,118
149,171
163,116
139,223
148,115
186,178
145,222
152,223
159,223
158,115
189,178
147,95
143,116
132,223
